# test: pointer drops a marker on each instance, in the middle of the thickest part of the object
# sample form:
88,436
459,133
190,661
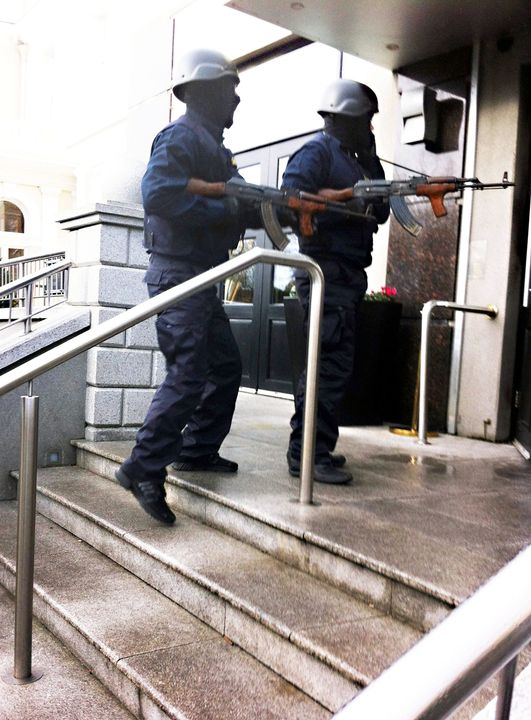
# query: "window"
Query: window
11,217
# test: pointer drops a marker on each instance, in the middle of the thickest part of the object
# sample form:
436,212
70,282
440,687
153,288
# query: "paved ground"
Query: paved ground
65,690
448,514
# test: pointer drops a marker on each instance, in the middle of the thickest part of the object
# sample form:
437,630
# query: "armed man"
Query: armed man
185,234
340,156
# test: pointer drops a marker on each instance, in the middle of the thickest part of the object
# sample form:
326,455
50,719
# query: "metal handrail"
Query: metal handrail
26,280
456,658
426,311
24,290
70,348
26,259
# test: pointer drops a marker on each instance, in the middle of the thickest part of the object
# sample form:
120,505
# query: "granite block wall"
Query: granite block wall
109,265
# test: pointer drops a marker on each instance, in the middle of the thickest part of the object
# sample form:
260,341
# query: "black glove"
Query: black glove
232,208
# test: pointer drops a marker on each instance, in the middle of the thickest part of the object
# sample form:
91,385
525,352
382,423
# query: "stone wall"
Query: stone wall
107,277
61,409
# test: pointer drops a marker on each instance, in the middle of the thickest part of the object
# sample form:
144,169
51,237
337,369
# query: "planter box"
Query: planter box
368,393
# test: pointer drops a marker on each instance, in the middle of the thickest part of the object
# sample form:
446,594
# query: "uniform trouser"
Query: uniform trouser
191,412
344,290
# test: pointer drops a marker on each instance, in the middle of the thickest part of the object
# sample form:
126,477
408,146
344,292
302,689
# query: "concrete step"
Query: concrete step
322,640
157,659
260,512
66,689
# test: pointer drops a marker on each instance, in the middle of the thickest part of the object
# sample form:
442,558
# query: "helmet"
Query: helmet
348,97
201,65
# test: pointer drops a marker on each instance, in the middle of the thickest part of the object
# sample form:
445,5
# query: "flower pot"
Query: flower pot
367,396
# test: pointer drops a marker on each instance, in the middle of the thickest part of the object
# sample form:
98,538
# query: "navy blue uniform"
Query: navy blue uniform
191,412
342,246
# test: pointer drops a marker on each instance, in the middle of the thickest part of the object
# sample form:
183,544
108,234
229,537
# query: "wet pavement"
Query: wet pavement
448,514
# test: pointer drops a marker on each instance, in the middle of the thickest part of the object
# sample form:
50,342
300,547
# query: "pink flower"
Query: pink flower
386,293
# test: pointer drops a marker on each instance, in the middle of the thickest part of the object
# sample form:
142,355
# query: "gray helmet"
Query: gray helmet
201,65
348,97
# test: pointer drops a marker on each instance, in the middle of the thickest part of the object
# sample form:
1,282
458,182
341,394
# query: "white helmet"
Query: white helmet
201,65
348,97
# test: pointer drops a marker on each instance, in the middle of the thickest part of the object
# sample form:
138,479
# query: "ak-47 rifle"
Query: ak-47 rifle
267,198
307,204
434,188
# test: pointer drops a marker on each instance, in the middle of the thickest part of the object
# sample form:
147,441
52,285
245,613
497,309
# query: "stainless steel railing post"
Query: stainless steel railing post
426,311
505,695
28,307
423,369
26,540
312,384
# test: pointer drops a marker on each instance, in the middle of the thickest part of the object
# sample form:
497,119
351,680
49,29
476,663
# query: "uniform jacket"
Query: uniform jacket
177,224
322,163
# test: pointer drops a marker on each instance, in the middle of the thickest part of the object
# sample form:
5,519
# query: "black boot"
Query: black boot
150,495
205,463
323,472
337,459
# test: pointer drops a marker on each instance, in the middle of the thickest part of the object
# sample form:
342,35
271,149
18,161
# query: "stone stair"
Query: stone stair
274,624
66,690
156,658
260,522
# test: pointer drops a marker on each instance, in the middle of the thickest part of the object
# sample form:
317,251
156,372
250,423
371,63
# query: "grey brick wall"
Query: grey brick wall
109,264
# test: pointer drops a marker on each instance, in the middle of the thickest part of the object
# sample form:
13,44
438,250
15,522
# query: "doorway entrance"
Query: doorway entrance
522,415
523,392
254,298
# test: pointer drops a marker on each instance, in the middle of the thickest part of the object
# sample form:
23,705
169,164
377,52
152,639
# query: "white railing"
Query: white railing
17,268
25,298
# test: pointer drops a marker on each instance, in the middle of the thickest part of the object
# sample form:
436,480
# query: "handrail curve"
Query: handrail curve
427,309
146,309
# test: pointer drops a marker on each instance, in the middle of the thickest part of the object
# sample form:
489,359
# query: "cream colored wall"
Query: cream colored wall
9,58
33,173
43,192
494,276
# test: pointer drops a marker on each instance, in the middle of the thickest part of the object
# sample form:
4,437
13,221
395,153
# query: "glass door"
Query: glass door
241,292
254,298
